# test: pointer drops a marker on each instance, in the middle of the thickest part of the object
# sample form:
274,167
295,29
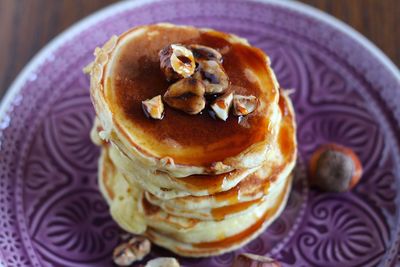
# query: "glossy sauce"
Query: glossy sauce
285,137
250,186
149,209
220,213
285,141
229,241
287,147
107,186
231,196
137,76
283,106
206,182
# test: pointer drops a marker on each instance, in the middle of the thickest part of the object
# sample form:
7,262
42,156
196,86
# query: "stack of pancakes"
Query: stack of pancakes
194,184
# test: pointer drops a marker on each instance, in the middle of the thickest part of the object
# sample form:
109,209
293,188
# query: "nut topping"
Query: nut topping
186,95
163,262
222,105
123,255
201,52
253,260
154,107
176,62
244,105
213,75
134,250
196,71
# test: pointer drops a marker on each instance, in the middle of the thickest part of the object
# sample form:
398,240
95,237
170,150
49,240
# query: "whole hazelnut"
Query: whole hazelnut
252,260
186,95
176,62
335,168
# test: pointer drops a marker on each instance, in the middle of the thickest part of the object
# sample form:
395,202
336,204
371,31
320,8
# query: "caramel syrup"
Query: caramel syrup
229,241
285,137
137,76
220,213
149,209
231,196
206,182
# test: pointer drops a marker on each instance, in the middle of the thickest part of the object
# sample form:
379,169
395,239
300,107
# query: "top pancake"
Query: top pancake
128,72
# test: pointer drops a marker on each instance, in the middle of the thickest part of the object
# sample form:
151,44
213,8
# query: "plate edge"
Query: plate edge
107,11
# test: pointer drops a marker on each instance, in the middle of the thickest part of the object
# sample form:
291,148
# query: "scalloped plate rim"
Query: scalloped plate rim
11,97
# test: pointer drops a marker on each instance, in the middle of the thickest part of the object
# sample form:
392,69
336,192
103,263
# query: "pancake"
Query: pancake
253,186
225,243
194,184
244,195
166,187
248,193
163,184
197,231
119,196
179,144
188,237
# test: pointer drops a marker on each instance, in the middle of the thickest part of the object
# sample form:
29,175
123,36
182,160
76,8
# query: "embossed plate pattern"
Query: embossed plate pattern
51,213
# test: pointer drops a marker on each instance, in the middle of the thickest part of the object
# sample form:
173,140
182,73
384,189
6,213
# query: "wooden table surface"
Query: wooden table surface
27,25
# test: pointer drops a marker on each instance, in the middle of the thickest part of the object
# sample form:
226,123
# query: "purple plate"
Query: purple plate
347,91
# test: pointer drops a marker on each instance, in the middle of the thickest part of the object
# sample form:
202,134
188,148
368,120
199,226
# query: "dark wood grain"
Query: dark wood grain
27,25
378,20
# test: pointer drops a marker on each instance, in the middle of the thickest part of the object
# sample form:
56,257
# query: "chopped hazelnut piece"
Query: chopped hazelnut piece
244,105
253,260
154,107
167,161
163,262
222,105
123,255
186,95
176,62
134,250
213,75
201,52
140,246
335,168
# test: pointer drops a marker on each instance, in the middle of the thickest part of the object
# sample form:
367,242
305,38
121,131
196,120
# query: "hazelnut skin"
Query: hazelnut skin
334,168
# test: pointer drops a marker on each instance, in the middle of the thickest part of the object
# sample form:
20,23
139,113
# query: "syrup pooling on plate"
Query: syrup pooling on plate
208,140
